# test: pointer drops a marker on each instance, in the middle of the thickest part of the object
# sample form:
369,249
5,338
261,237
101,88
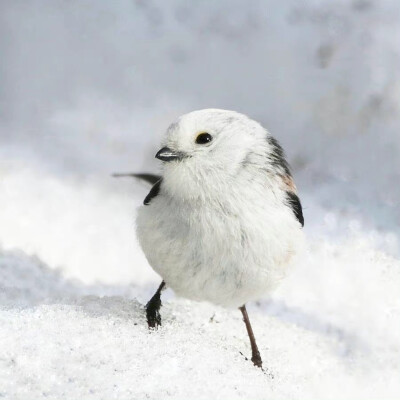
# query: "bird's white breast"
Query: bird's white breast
231,249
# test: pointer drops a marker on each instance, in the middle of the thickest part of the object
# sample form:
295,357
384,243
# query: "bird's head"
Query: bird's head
206,149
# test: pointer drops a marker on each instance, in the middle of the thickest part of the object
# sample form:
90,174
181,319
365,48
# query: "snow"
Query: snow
88,88
63,339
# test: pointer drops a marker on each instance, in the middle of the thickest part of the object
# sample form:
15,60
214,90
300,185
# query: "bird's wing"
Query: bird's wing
281,166
150,178
155,180
295,204
153,192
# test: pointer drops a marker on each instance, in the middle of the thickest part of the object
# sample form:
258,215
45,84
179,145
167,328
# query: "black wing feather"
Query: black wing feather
295,205
277,156
153,192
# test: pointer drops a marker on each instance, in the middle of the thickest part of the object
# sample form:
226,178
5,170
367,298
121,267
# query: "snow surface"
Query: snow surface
87,89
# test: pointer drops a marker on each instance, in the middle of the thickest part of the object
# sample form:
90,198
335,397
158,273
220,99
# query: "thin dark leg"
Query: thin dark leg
255,356
153,308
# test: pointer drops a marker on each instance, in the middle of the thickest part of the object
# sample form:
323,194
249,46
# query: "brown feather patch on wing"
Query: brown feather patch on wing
288,183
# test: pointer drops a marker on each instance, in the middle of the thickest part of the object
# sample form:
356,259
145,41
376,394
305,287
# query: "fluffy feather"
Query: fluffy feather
221,228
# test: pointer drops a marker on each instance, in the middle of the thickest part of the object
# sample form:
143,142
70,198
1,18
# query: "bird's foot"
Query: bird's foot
257,362
256,358
153,315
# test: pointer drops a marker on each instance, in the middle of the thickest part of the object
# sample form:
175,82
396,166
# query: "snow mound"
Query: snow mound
63,340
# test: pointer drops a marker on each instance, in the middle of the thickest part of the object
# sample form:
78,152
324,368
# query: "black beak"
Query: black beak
166,154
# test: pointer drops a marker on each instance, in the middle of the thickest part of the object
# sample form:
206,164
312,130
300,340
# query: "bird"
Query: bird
223,221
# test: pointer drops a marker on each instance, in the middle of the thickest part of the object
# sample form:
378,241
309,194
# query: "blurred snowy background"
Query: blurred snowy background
88,87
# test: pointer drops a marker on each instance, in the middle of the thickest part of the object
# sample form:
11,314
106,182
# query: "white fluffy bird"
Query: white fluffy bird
223,222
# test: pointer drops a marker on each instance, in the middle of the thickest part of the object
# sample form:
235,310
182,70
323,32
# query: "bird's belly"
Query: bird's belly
221,259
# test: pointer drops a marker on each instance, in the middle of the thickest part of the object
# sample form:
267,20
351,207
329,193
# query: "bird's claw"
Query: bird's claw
154,320
257,361
153,317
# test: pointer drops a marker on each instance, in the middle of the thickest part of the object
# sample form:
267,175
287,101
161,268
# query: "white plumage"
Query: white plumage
223,224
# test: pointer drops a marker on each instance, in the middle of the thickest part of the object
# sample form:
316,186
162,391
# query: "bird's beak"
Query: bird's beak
166,154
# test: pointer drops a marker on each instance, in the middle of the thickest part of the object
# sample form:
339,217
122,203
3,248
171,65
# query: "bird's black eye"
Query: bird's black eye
203,138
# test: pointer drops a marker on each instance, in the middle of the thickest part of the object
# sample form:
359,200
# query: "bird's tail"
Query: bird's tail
150,178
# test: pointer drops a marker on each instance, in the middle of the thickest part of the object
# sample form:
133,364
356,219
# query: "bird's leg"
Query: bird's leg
153,308
255,356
